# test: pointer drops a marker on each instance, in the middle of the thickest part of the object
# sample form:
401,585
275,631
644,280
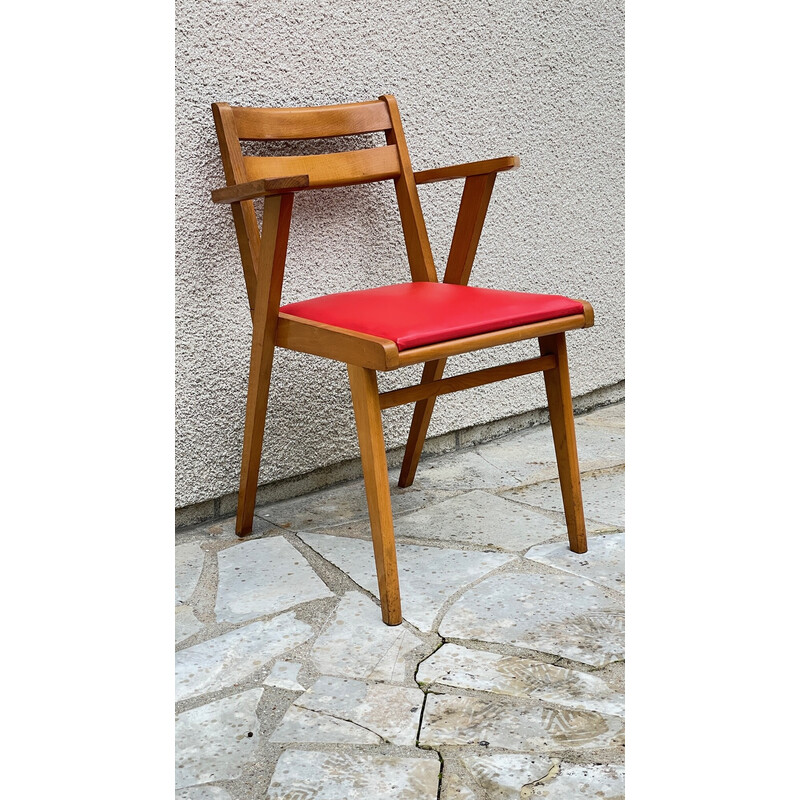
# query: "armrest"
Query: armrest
260,188
467,170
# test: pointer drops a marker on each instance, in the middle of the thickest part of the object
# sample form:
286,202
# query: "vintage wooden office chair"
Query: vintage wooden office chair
388,327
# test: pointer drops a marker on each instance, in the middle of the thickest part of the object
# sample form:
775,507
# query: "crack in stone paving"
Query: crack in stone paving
419,727
526,792
344,719
494,466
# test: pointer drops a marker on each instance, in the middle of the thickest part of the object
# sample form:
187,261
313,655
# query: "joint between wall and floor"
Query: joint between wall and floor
343,471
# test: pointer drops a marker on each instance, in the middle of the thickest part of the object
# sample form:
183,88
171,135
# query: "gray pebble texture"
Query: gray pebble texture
541,80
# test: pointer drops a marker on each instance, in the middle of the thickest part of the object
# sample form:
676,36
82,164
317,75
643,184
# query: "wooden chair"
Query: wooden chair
423,321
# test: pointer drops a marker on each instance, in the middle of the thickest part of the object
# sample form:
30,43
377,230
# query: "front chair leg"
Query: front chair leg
364,387
562,421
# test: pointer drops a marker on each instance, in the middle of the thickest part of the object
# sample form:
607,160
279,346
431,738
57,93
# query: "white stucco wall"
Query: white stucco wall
543,80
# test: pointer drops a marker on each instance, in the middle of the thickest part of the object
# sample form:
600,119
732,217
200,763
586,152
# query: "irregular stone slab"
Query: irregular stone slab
284,675
461,472
186,623
214,742
606,417
519,777
604,563
462,668
560,614
456,720
530,455
188,566
304,725
454,787
356,643
340,504
214,664
309,775
203,793
429,576
352,709
603,497
511,776
262,577
482,519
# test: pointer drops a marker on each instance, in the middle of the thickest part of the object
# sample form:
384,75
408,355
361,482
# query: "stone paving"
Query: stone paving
504,681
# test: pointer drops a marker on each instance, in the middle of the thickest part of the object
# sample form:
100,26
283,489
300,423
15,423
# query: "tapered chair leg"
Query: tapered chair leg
423,409
562,421
255,418
272,259
364,387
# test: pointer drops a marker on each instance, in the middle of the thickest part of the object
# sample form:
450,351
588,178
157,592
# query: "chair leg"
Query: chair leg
562,421
261,355
423,409
364,387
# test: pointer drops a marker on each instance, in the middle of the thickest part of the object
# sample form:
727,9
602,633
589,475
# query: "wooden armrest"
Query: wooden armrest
467,170
260,188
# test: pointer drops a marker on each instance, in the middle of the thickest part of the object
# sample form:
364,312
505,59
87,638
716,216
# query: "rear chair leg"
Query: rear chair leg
423,409
271,262
364,387
255,416
562,421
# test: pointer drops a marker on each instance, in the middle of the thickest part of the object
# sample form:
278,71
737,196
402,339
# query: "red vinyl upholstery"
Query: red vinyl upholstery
415,314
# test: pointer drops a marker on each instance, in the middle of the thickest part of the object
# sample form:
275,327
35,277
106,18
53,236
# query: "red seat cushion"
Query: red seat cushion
415,314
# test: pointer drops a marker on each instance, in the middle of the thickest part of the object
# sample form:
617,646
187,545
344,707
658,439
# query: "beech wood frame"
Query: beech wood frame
263,255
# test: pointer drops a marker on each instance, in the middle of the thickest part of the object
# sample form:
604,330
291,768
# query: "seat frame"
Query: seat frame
263,255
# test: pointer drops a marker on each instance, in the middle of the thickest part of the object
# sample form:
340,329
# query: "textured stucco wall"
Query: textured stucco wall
543,80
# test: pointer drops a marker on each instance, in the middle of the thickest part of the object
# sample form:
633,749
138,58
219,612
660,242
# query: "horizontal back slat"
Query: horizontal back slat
311,123
330,169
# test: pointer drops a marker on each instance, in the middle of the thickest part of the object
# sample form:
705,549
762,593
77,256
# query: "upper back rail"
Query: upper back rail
319,122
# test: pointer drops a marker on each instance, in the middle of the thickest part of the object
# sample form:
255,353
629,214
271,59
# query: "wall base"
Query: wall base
225,506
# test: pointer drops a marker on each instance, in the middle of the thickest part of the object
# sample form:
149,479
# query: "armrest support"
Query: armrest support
492,165
260,188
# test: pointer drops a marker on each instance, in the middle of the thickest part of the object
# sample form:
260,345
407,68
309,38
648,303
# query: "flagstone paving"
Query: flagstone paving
422,597
482,519
362,712
517,777
467,668
186,623
603,498
606,566
215,741
453,719
505,679
302,774
261,577
188,566
355,643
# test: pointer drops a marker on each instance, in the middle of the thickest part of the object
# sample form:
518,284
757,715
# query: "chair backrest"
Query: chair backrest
391,161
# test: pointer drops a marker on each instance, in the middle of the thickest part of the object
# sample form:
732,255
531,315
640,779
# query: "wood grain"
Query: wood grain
260,188
469,380
562,422
274,239
492,165
340,344
316,122
329,169
364,387
418,247
430,352
244,214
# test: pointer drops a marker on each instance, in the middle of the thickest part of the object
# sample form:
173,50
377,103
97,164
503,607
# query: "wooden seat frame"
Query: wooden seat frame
263,257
